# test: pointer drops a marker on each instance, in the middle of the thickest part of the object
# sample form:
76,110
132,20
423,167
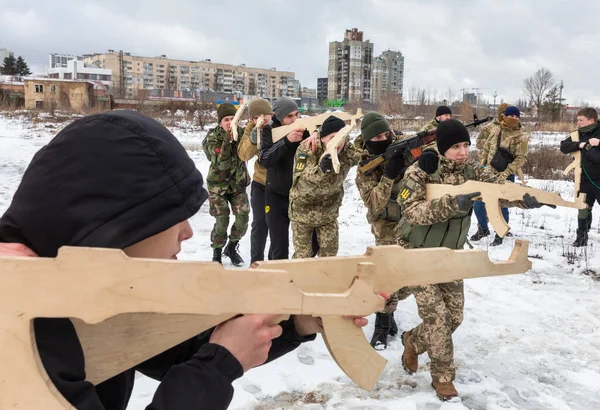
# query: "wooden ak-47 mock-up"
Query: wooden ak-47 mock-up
576,166
127,310
491,194
311,123
337,138
236,119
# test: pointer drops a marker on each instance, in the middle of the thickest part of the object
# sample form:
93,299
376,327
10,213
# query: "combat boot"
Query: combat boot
231,251
444,390
382,330
393,325
410,358
582,238
497,241
217,255
480,234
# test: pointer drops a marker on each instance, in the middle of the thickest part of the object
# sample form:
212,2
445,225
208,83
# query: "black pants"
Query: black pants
278,221
592,194
260,231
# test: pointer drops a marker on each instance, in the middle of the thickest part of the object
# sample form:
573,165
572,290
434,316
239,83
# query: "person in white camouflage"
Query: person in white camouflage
442,222
317,192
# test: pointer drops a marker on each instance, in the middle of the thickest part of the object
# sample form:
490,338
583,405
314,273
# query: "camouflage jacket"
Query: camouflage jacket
417,211
430,125
227,173
376,192
247,150
514,140
485,133
315,196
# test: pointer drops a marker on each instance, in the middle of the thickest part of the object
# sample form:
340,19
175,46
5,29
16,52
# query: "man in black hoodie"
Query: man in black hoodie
278,159
121,180
588,129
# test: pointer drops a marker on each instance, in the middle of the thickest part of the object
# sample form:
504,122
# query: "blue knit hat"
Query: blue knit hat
512,110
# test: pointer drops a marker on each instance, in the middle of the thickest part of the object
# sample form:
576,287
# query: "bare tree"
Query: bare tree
537,86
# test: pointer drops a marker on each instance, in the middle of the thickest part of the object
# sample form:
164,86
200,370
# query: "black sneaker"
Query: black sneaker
231,251
480,234
497,241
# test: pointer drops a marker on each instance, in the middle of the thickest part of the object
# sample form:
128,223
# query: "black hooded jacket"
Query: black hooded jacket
278,159
112,180
590,156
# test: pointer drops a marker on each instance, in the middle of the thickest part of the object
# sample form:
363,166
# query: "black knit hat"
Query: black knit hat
442,109
330,125
451,132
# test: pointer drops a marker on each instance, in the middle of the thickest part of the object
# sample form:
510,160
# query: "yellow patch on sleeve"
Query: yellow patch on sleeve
267,209
301,163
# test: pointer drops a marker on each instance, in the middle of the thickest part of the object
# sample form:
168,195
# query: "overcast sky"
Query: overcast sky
491,44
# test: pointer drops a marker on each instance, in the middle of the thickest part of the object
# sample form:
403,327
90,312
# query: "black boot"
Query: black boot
231,251
393,325
382,330
583,226
217,255
480,234
497,241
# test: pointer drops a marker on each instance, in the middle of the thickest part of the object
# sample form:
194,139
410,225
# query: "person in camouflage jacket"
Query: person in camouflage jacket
488,129
442,222
317,191
379,190
515,141
442,113
227,180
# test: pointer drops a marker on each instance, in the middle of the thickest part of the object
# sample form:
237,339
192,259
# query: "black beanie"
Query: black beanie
330,125
451,132
442,109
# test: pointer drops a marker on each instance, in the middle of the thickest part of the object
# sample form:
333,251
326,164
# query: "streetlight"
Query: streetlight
495,95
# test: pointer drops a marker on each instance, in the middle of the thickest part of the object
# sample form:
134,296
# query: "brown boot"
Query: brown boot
410,359
445,390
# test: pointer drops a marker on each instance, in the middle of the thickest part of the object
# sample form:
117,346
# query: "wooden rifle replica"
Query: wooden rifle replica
236,119
126,310
340,136
312,123
491,194
576,166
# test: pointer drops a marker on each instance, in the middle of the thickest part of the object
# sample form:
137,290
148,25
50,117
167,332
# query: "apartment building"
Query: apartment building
350,68
321,89
388,75
132,73
78,70
58,60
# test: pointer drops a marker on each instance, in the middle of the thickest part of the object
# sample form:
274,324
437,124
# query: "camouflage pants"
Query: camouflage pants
327,236
441,308
386,237
219,208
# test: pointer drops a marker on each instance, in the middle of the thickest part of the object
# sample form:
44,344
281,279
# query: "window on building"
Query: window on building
68,76
39,88
39,104
53,89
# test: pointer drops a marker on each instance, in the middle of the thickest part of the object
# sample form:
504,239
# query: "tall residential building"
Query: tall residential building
350,67
388,74
321,89
58,60
132,73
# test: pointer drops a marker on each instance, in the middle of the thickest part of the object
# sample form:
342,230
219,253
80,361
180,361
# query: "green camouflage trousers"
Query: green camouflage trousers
387,237
219,208
441,308
327,236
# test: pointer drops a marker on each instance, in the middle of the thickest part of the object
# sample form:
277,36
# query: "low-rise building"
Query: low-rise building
78,70
57,93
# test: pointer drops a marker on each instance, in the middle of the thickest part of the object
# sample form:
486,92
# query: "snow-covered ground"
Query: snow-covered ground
529,341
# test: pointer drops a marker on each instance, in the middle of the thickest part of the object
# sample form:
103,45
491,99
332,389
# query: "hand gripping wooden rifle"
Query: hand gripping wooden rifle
576,167
339,137
127,310
491,194
311,123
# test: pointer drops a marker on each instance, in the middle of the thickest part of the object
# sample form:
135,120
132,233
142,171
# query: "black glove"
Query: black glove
326,163
394,167
531,202
465,201
429,161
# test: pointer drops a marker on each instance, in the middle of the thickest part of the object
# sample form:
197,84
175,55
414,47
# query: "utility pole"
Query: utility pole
560,100
495,95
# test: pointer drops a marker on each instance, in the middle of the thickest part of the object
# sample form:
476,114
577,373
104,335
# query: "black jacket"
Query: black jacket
111,180
590,157
278,159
